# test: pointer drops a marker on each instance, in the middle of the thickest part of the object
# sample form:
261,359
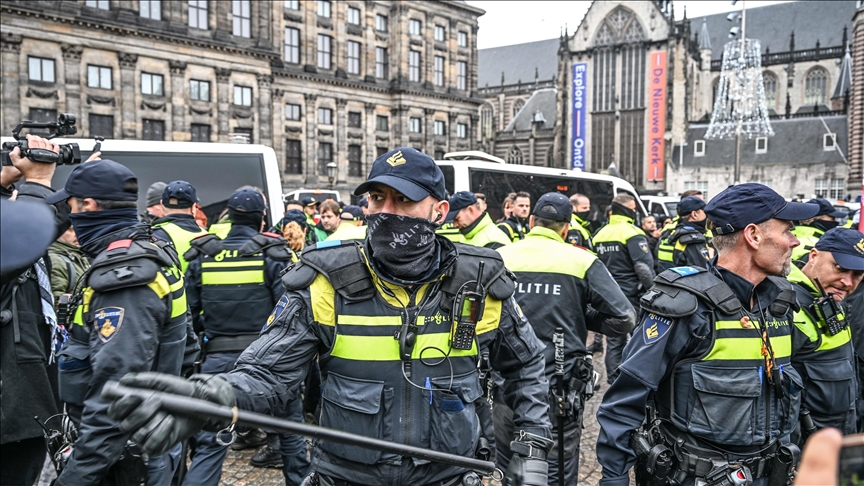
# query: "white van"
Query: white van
216,170
662,205
318,194
496,180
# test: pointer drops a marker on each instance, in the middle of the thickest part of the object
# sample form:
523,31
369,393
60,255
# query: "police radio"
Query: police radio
828,310
468,307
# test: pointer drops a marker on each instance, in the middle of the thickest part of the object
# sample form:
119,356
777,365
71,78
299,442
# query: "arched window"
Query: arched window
816,86
514,156
487,117
619,27
714,87
517,105
769,81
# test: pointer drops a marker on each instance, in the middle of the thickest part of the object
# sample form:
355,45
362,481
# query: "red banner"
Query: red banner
657,116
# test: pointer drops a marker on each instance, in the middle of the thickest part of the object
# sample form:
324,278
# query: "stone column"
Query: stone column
224,21
451,132
341,140
396,131
277,105
223,95
265,113
310,156
10,49
173,13
72,77
265,12
128,110
369,124
472,132
429,131
179,130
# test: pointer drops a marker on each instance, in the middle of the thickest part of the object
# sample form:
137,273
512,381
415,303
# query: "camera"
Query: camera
69,153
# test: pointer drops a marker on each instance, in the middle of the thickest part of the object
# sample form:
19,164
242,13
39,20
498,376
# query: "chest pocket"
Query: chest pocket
74,372
725,405
830,388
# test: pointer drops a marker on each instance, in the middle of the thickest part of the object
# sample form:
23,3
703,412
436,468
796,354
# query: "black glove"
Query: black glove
528,466
157,431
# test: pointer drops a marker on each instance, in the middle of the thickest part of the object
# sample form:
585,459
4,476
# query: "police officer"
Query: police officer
351,225
154,209
232,285
475,225
130,316
178,225
623,248
712,358
685,245
823,354
809,231
670,224
579,234
515,225
555,285
401,281
310,207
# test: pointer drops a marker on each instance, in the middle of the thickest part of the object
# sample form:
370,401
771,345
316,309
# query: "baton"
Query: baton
558,339
194,407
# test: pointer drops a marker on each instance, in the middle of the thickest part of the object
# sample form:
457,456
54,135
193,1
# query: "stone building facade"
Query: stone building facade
856,105
319,81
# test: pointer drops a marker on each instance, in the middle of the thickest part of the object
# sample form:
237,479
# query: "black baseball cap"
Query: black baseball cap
458,202
826,208
846,245
100,179
554,206
294,216
689,204
363,203
26,230
182,191
744,204
247,201
351,213
308,201
409,171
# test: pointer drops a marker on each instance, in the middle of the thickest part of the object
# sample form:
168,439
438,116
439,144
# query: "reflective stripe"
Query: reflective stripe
232,278
665,255
243,263
220,229
178,298
370,320
181,238
748,349
835,341
385,348
160,285
728,325
83,307
323,298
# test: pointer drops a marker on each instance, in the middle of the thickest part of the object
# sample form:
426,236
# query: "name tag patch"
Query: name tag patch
280,308
107,321
655,327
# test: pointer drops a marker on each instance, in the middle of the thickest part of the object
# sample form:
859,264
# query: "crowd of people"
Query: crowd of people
733,331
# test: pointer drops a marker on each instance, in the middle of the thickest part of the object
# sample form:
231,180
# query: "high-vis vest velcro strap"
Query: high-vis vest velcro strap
181,239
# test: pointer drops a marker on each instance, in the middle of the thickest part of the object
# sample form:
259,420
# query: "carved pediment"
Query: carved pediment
101,100
153,105
40,93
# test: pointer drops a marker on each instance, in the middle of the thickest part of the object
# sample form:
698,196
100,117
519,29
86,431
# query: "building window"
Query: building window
101,125
292,112
829,142
382,123
439,71
379,151
292,4
198,14
325,156
98,77
761,145
462,130
699,148
41,69
414,125
487,121
353,16
461,75
242,16
40,115
150,9
244,134
151,84
381,63
242,96
293,164
463,39
355,161
324,8
414,66
292,45
701,186
440,127
517,105
200,132
440,33
414,27
199,90
325,116
153,130
514,156
838,187
821,187
769,82
353,57
439,154
381,23
324,53
100,4
816,86
355,119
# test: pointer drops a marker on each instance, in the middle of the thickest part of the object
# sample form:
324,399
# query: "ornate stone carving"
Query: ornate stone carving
177,67
200,111
325,133
453,116
429,111
153,105
293,129
71,52
310,98
264,80
10,42
241,113
278,93
382,138
355,134
31,92
101,100
341,102
370,107
475,119
127,60
223,75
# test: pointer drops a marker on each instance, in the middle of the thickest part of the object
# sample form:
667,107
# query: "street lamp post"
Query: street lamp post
331,172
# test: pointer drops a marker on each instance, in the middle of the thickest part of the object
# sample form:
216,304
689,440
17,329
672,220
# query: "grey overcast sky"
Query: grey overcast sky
516,22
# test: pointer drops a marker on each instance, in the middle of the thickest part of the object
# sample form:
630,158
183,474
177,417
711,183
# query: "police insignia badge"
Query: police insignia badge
107,321
518,309
277,311
655,327
644,246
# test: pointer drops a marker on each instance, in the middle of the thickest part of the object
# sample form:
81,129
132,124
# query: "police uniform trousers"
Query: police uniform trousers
328,481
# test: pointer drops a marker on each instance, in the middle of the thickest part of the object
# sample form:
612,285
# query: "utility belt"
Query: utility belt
467,479
665,455
229,344
577,390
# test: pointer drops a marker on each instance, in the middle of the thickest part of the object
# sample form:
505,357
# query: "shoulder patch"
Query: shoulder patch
119,244
655,327
643,245
107,322
518,309
685,271
280,308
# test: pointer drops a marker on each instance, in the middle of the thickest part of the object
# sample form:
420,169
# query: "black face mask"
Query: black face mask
583,215
403,247
622,210
824,225
699,225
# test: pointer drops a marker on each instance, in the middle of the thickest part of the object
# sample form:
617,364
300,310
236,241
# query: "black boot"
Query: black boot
249,440
597,345
270,455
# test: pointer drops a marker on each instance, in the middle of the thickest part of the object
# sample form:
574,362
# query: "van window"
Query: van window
496,185
214,176
449,176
